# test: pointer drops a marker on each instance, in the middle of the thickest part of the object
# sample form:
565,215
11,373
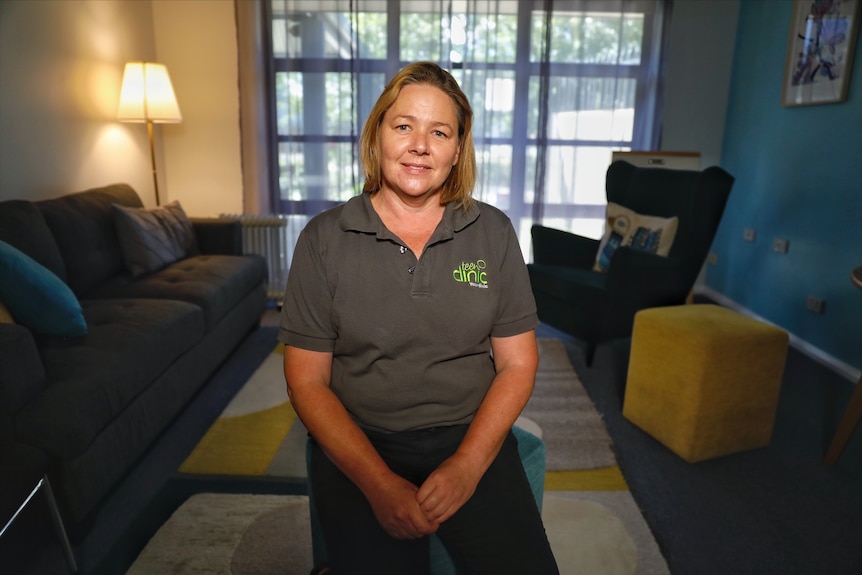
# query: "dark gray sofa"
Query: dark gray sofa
93,404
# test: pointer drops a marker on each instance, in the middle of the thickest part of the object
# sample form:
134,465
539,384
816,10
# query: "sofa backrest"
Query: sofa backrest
83,226
23,227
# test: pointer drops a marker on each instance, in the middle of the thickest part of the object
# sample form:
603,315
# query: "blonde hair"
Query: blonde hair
458,187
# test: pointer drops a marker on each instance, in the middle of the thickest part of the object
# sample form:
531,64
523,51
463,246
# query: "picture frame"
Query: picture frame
820,48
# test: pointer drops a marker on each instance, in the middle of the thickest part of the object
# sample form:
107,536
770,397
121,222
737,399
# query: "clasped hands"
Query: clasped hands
406,511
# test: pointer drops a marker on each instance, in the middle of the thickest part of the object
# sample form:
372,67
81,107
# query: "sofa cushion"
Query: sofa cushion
93,379
23,226
214,283
83,225
36,297
152,239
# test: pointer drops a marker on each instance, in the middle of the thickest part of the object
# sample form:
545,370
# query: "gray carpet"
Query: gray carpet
240,534
213,534
776,510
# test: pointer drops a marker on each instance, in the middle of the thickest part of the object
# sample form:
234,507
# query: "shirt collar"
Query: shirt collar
358,215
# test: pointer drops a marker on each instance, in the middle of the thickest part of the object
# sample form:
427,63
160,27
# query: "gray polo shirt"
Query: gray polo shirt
410,338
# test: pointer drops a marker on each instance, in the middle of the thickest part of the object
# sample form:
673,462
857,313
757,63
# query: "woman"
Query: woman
396,303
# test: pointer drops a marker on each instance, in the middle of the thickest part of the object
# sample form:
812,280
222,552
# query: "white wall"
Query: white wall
196,40
700,61
61,65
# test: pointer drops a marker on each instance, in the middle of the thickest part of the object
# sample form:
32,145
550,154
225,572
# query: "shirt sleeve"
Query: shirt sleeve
517,305
306,314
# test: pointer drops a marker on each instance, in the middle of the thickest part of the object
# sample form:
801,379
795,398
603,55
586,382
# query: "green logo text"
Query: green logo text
472,273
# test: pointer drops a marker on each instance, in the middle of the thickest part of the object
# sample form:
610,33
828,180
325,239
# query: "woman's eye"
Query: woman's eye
402,128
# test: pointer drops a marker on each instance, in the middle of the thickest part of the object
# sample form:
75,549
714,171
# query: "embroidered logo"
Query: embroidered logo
472,273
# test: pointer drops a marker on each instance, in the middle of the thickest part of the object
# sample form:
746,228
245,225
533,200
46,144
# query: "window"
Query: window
553,93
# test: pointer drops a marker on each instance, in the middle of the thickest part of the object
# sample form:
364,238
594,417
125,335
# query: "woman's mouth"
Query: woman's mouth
417,167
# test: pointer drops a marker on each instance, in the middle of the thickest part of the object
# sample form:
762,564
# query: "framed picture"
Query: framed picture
820,51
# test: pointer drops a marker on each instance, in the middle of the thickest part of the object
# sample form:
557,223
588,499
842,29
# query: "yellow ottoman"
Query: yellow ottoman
704,380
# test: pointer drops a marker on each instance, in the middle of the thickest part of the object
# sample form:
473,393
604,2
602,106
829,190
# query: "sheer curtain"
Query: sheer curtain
555,86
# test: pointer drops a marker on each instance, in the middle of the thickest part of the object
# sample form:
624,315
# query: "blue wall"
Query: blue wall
798,176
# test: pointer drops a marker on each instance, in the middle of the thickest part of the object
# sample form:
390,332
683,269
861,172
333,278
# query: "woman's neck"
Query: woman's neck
413,222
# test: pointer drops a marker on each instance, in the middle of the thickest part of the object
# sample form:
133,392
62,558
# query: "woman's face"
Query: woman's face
419,142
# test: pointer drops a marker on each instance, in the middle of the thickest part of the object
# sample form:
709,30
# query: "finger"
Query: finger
441,515
410,523
421,525
428,499
438,493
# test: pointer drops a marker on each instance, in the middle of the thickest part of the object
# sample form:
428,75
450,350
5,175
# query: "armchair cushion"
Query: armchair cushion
625,227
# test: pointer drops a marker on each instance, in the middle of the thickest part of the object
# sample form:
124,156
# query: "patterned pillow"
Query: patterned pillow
152,239
624,227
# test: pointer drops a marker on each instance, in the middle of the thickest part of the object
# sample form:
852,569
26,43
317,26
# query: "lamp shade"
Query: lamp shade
147,95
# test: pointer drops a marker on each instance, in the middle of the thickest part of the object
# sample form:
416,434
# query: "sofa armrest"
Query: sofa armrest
22,375
218,236
561,248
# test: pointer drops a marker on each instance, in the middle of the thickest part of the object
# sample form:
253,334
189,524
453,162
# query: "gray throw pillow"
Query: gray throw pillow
152,239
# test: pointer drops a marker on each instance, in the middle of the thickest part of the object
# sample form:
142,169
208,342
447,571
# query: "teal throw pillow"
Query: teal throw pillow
36,297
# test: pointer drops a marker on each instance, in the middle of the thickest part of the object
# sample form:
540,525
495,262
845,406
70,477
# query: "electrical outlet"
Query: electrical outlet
712,258
815,305
749,234
780,245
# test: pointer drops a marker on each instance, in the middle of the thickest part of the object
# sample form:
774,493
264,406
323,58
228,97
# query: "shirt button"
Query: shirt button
403,249
411,269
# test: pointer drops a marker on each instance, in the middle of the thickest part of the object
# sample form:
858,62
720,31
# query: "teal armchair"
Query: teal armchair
596,307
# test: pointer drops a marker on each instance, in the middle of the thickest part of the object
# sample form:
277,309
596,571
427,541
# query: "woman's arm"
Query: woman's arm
516,359
393,498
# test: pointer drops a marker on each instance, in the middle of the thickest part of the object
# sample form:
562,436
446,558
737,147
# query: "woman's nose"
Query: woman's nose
419,145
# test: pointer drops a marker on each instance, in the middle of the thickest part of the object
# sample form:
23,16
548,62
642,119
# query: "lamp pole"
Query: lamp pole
153,158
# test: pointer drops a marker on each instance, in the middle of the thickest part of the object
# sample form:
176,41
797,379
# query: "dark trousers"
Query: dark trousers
499,530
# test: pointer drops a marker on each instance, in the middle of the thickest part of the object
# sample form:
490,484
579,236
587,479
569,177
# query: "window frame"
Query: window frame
648,96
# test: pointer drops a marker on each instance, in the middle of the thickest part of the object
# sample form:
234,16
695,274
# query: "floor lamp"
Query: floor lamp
148,96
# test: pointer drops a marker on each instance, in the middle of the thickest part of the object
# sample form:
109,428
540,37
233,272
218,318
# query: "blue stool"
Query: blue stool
532,452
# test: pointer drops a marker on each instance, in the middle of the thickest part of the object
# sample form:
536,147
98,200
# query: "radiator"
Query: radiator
273,237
